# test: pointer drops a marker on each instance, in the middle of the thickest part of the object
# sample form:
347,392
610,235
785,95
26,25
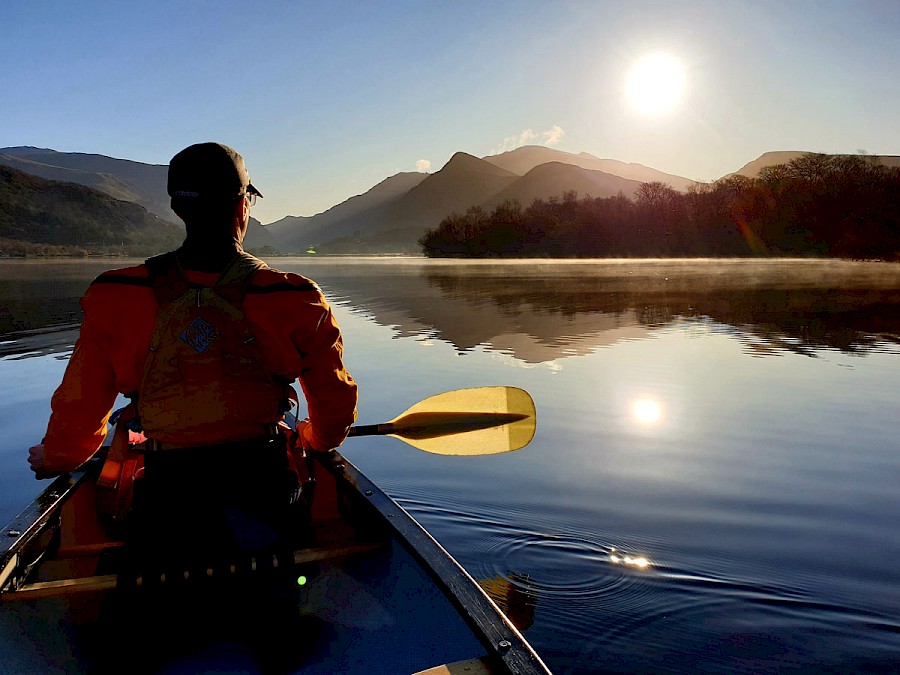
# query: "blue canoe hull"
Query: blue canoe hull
373,592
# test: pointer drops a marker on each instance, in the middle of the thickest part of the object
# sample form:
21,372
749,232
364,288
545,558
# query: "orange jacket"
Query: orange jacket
293,324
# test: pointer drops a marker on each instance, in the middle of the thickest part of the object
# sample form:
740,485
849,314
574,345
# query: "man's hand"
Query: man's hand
304,432
36,459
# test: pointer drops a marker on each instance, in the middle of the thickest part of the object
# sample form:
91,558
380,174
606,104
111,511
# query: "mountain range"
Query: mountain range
395,213
121,179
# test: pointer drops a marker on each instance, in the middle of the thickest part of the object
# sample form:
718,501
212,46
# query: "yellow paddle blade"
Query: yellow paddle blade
479,421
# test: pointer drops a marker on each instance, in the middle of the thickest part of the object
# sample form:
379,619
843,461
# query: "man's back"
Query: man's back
288,314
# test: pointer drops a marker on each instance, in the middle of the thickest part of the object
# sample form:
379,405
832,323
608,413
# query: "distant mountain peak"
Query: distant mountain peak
464,162
522,160
24,148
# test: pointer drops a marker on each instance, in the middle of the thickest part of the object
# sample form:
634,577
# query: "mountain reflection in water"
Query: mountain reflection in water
539,311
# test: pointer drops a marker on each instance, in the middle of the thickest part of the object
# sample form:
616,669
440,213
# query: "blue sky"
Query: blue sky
326,99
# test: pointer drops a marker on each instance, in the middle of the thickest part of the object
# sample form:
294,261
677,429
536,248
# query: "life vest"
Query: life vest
124,464
205,378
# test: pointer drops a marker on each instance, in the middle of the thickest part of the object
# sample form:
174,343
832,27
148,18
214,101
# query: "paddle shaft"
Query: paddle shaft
371,430
478,421
430,425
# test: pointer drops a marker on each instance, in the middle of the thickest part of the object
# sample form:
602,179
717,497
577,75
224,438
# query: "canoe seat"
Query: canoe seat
480,666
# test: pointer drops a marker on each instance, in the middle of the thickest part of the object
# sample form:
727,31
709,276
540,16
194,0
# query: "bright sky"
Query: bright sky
326,99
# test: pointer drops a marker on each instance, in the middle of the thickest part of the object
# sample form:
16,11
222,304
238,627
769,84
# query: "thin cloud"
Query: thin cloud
527,136
551,136
423,165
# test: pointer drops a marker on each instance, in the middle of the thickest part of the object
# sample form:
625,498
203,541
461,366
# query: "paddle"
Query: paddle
479,421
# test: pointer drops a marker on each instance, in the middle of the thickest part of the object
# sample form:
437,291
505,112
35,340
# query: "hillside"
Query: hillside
524,159
392,216
144,184
553,179
360,213
389,219
38,211
122,179
752,169
464,181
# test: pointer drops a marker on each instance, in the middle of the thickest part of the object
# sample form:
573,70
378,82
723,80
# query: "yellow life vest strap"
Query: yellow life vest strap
236,277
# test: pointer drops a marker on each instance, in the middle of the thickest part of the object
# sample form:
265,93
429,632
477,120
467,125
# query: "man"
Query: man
206,340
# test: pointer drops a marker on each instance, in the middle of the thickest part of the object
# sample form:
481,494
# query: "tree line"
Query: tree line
845,206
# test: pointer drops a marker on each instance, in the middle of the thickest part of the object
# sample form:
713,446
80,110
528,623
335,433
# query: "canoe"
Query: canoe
369,591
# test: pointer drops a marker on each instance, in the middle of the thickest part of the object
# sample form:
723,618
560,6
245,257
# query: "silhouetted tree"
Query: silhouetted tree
845,206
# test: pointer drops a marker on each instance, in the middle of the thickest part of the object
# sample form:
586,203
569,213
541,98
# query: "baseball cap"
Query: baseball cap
209,170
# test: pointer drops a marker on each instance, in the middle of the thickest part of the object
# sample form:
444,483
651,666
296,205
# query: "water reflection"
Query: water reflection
646,411
56,341
39,293
541,311
637,561
515,594
772,308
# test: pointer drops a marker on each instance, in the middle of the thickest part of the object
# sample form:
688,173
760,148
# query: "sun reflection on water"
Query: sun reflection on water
646,411
617,558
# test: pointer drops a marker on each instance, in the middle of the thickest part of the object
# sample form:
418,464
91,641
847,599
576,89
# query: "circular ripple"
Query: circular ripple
555,566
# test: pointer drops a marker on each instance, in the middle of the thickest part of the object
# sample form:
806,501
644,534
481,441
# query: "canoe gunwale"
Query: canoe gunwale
33,521
502,640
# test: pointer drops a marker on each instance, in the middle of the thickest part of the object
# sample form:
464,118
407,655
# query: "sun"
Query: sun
655,84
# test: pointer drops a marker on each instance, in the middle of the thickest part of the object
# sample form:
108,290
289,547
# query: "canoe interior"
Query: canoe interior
371,593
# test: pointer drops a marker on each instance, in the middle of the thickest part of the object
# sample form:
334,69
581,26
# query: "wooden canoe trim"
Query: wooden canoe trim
87,550
8,569
48,589
106,582
480,666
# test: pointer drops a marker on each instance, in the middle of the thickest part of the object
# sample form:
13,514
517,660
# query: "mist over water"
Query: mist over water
713,482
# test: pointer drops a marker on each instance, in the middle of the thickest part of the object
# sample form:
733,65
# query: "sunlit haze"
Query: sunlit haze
325,100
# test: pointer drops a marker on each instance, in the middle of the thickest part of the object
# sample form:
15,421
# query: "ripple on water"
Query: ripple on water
565,577
627,614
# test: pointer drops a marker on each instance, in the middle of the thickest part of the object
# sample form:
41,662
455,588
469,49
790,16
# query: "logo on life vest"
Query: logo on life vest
199,335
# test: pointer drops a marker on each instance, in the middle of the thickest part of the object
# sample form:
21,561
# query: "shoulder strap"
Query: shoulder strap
166,277
236,277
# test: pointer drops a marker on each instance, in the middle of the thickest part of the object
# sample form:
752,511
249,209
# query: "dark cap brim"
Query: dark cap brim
251,189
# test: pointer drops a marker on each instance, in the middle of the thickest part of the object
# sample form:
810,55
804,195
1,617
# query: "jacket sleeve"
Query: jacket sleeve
330,390
82,404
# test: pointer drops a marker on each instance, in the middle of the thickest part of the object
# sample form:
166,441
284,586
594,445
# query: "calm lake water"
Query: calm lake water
714,485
